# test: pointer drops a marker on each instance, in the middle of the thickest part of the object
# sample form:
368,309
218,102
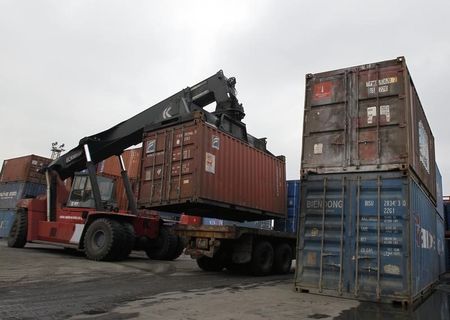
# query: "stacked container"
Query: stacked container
110,168
369,227
20,178
293,208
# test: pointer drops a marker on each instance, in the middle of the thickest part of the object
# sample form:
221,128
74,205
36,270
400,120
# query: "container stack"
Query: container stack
369,226
293,208
110,168
19,178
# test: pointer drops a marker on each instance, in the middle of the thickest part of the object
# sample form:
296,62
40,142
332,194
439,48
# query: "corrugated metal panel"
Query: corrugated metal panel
367,118
6,222
11,192
24,169
440,244
447,212
265,224
368,236
197,169
131,159
439,193
293,208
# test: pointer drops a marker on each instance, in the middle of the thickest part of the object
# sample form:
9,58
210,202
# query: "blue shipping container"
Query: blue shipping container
6,222
439,193
11,192
370,236
293,208
447,213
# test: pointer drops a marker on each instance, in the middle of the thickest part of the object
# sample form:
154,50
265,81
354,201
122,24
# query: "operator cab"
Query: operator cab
82,196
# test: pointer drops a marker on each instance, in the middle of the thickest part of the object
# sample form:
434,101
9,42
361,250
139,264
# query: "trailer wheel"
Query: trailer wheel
103,240
282,259
262,258
163,246
17,237
129,238
210,264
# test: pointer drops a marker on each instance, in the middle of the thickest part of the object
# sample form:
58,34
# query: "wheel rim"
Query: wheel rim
98,239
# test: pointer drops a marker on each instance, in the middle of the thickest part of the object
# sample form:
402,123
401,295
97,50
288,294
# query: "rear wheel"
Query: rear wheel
163,246
282,259
129,238
103,240
18,234
178,250
262,258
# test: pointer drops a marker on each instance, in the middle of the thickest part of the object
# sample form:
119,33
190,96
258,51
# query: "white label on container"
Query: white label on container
147,174
391,269
151,146
384,111
371,113
318,148
210,163
185,181
215,143
423,147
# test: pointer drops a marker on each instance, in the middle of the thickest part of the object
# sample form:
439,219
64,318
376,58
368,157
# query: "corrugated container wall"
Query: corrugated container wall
199,170
11,192
439,194
368,236
131,159
24,169
293,208
367,118
446,203
6,221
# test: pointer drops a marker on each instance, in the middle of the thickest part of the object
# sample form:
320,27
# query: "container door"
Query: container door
380,133
323,235
380,237
326,123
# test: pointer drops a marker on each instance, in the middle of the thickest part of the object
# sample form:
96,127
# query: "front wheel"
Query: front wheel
103,240
18,234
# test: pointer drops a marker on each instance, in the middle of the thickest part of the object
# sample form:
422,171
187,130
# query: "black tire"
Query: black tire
128,240
210,264
104,240
163,246
17,237
262,258
282,260
179,248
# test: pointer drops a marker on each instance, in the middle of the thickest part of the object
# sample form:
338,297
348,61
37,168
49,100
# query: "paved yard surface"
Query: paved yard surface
43,282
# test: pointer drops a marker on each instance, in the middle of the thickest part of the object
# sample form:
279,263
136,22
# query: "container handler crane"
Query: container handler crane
84,218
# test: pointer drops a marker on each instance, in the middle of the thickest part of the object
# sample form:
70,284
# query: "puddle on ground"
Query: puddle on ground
435,307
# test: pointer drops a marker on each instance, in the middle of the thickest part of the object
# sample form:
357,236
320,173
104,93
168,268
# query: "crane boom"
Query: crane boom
177,108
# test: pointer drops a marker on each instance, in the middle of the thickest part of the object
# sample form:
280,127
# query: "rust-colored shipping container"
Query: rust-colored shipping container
367,118
24,169
131,158
197,169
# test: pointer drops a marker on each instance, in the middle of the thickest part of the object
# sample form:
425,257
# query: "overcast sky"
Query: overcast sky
69,69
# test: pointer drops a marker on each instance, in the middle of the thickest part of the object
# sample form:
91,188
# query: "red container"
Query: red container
131,158
367,118
24,169
199,170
